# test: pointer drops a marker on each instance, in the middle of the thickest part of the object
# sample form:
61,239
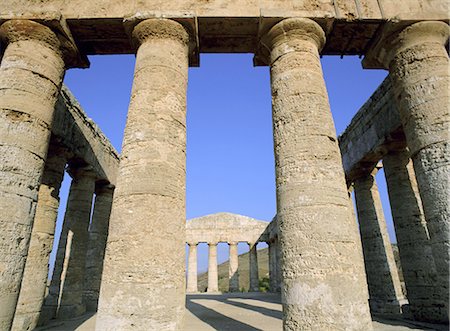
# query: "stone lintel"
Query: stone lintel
57,23
83,139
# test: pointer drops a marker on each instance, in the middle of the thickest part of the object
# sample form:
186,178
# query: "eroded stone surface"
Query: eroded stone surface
385,294
419,270
321,268
418,64
98,234
31,72
234,265
35,275
143,283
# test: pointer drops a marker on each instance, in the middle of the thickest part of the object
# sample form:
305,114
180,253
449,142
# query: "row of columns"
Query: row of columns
322,273
417,177
233,273
425,296
77,271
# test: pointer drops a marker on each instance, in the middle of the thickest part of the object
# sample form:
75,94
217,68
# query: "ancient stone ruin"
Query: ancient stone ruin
331,276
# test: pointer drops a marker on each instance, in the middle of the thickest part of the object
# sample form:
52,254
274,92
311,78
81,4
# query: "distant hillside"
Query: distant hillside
263,264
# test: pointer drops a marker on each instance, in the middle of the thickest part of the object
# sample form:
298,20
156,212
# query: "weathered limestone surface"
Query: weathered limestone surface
226,227
253,268
143,283
233,268
272,266
382,276
418,64
69,252
213,280
83,138
98,234
192,284
227,25
232,229
413,240
34,280
375,128
78,216
31,72
323,283
278,264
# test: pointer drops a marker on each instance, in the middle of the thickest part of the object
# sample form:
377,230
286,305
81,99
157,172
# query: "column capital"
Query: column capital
289,35
54,33
159,28
192,243
81,171
142,26
394,39
212,244
363,177
232,243
104,188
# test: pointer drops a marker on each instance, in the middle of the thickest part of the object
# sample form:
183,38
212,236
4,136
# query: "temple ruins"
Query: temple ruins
126,261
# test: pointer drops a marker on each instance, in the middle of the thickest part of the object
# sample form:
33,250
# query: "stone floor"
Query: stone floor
235,312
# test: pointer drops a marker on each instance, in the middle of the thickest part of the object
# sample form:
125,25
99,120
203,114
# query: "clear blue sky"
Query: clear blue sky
230,163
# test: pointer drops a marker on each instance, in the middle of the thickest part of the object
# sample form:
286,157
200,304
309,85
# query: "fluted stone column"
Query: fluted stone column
413,240
78,217
34,280
382,275
192,285
233,272
98,234
31,72
253,268
418,65
143,283
213,277
323,283
272,266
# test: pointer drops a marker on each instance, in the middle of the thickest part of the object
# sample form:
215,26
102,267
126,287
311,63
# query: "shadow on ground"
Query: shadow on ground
238,312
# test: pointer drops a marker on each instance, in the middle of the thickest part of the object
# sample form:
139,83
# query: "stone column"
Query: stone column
78,217
253,268
323,275
233,271
31,72
34,280
213,277
78,209
143,283
413,240
418,65
272,266
192,285
278,265
382,275
98,234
